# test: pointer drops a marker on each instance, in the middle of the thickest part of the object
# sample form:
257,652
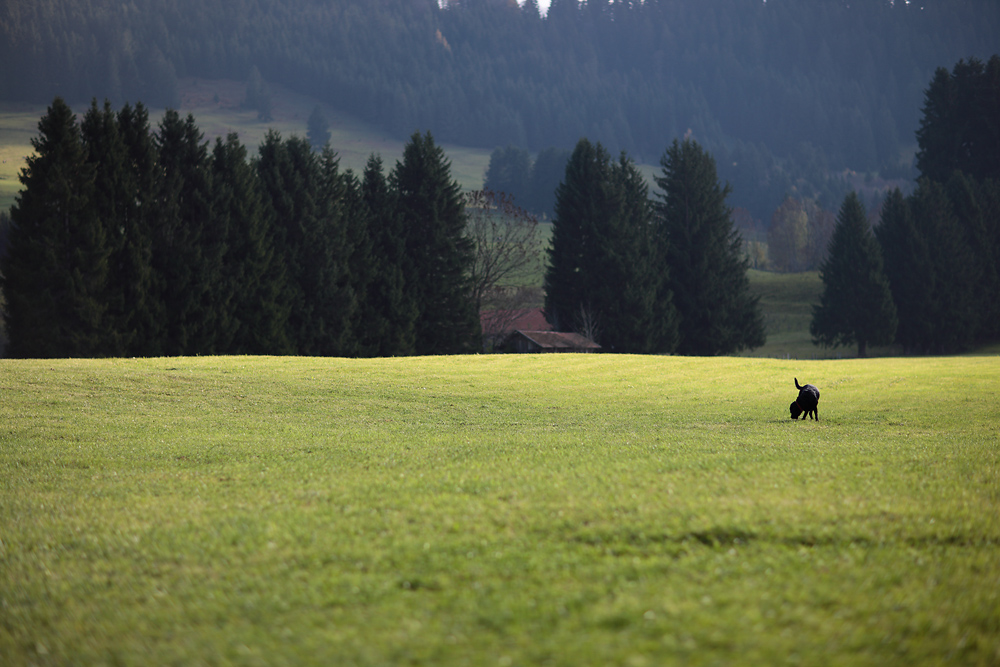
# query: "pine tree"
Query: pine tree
708,274
959,129
56,270
641,317
318,129
580,201
390,312
254,274
139,321
856,304
951,300
908,269
977,211
604,278
291,178
106,153
439,253
361,263
335,242
185,254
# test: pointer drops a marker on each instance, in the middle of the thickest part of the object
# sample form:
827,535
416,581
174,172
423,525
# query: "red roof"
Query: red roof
506,321
558,340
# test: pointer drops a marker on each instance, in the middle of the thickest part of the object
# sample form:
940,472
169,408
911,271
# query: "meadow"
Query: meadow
499,510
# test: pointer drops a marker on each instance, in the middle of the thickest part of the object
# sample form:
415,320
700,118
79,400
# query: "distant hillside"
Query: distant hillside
783,93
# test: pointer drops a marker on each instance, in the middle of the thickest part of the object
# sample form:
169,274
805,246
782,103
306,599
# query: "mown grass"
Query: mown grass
510,510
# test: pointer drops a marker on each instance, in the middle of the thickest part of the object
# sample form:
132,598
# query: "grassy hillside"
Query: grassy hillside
512,510
18,124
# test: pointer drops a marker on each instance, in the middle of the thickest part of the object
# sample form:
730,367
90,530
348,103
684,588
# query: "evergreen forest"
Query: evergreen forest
787,94
130,240
925,276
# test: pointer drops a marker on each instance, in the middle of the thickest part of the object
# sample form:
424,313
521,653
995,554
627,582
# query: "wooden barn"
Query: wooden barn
548,341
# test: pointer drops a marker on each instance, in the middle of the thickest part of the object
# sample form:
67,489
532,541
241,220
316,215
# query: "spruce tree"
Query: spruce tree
581,199
298,209
604,278
254,273
439,253
951,304
106,153
139,318
335,242
907,263
186,257
708,273
55,272
634,283
960,126
856,304
389,311
977,211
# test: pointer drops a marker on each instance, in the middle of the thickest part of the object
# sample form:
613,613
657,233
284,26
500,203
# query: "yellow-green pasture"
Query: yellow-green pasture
499,510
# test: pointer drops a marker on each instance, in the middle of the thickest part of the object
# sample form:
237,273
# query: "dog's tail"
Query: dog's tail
797,384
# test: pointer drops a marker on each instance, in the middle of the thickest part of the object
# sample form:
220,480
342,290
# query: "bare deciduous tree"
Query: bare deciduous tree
508,248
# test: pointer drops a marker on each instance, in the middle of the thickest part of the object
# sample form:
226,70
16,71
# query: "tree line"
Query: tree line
926,275
132,241
644,275
127,241
782,93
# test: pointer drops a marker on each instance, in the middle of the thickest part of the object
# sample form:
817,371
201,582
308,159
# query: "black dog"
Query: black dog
807,403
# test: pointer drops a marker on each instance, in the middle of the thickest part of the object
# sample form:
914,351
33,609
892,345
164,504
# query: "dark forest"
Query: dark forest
786,94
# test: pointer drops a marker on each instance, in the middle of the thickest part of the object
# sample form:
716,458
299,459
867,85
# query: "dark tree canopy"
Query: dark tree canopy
389,312
56,268
604,277
438,253
960,128
186,251
907,266
708,272
780,92
856,304
131,242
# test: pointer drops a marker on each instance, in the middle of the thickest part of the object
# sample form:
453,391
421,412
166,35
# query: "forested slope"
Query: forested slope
800,87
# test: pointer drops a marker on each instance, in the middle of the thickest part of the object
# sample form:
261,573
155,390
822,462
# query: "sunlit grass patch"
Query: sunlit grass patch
570,509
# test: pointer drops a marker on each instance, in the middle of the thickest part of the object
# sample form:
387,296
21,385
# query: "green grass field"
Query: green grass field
499,510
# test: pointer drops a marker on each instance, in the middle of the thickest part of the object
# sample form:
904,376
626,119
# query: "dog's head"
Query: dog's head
795,410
